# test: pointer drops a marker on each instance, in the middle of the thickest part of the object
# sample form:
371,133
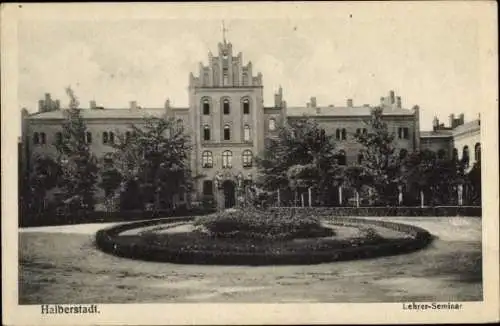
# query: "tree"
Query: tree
379,160
303,144
78,164
356,177
155,156
44,177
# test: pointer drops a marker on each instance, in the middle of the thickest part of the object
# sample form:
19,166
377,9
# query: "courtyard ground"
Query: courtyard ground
61,265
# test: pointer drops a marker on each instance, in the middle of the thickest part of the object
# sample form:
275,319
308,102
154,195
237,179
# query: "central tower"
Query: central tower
227,116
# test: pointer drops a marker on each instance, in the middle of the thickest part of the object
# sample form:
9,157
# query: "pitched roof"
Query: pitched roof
342,111
105,113
436,133
471,125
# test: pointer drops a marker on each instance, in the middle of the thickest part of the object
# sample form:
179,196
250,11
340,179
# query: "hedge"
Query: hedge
52,218
389,211
109,241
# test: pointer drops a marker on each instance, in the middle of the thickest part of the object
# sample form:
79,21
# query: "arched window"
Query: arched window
402,153
227,157
111,137
246,133
344,134
59,138
88,137
36,138
477,152
342,157
206,132
105,138
207,160
441,154
247,158
465,156
272,124
206,106
246,106
43,139
227,132
226,106
337,134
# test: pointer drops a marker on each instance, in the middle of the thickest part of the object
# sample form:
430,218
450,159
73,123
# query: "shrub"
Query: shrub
257,224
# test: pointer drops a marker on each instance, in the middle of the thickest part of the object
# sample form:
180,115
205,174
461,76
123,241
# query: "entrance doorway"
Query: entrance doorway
229,193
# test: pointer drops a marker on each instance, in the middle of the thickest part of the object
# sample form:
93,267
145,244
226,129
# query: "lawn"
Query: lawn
61,265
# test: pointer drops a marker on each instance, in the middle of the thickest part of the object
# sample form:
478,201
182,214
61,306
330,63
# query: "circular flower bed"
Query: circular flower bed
260,238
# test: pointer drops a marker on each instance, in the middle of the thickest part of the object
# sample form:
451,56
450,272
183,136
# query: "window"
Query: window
360,158
108,160
208,187
225,75
226,106
43,138
128,135
247,158
206,132
207,160
227,132
111,138
180,125
105,137
342,157
343,134
364,131
58,137
358,131
403,133
227,157
455,154
465,156
206,107
36,138
246,106
272,124
88,137
246,133
477,152
337,134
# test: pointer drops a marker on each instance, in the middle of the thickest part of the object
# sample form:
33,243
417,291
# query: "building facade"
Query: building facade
228,124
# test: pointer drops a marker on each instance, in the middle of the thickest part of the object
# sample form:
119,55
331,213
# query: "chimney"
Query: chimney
47,98
461,119
167,104
318,110
41,106
92,105
452,121
435,123
58,105
398,102
313,102
382,101
308,105
133,105
278,98
349,102
391,97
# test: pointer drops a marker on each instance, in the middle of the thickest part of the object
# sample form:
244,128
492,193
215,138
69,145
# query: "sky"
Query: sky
429,55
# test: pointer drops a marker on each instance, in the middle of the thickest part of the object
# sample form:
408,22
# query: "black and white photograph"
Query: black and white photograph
274,153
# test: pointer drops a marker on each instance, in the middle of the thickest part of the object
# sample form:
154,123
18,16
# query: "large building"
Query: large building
228,123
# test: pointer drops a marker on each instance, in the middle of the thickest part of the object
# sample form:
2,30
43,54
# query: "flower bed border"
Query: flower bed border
108,240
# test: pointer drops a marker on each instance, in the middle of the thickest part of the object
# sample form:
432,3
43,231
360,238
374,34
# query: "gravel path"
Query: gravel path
61,265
